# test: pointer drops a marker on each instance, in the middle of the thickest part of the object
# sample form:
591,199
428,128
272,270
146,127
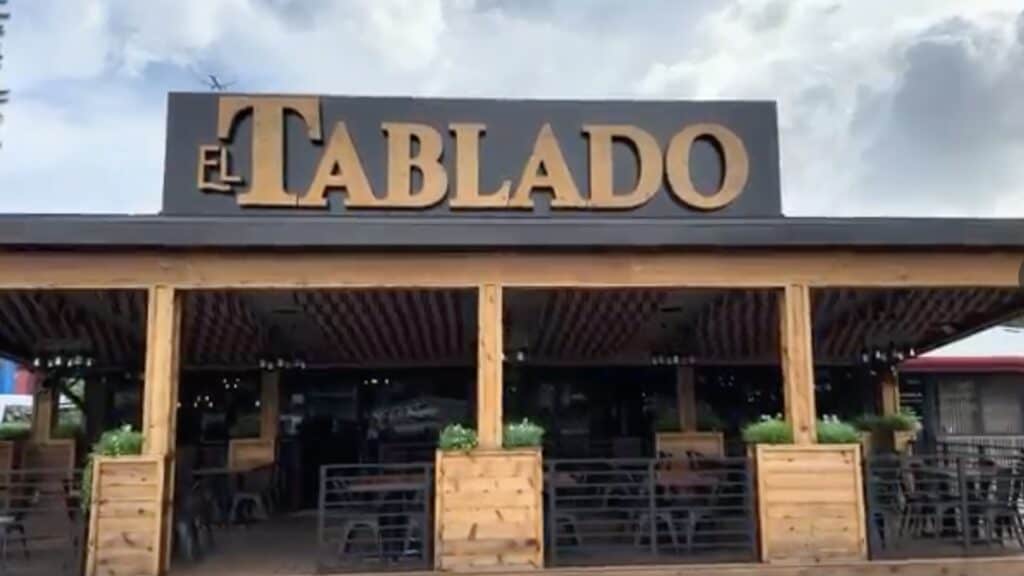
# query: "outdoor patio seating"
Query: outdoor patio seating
251,500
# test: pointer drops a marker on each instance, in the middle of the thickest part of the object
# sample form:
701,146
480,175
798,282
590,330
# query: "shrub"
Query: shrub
457,438
832,430
903,421
523,435
769,430
121,441
15,430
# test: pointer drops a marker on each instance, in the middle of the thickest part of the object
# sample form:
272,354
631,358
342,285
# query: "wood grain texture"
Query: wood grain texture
490,356
160,400
250,453
686,397
735,268
489,511
797,359
125,520
889,390
678,444
43,414
54,454
810,503
270,409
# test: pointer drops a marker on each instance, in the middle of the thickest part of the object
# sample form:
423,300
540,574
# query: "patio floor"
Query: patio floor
277,547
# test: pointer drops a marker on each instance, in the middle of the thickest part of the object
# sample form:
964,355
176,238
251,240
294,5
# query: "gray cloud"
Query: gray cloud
884,108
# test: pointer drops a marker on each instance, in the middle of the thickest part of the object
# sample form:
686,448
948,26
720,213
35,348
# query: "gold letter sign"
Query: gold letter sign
437,161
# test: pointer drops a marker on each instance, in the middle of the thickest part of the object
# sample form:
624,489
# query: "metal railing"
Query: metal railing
42,526
944,505
649,510
375,517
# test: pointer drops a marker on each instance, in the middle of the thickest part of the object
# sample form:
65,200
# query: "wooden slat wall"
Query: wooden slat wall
250,453
125,523
810,503
678,444
489,511
50,455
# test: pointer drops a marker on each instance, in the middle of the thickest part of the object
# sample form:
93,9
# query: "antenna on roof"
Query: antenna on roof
216,84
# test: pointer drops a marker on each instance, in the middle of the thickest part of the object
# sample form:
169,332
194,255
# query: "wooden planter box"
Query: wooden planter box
124,517
810,503
489,510
679,443
250,453
886,441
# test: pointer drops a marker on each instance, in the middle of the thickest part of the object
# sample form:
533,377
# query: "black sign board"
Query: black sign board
470,159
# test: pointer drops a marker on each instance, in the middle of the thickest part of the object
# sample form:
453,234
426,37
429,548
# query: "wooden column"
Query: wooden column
889,388
44,403
795,345
489,366
270,409
160,399
686,396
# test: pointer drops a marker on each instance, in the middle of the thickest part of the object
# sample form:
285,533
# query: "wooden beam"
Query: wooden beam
160,399
889,389
798,362
270,408
736,269
44,412
686,397
489,367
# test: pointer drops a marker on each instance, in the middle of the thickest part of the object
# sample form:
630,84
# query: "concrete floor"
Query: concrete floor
282,546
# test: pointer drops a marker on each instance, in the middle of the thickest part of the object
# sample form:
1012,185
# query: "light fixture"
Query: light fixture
278,363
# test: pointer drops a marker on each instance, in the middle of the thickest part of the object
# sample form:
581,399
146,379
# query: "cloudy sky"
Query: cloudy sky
886,108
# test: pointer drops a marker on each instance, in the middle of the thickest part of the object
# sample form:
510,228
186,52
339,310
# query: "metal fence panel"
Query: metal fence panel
629,511
945,505
375,517
42,525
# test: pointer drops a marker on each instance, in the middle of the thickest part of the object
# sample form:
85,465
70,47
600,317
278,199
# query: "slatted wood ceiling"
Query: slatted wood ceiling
357,327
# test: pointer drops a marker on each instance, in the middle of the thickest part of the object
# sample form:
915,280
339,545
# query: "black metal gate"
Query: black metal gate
42,525
375,517
651,510
943,505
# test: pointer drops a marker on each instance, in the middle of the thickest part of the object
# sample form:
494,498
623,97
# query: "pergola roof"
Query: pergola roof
400,327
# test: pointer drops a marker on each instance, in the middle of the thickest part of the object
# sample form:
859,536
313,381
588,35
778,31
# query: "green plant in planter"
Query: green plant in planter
457,438
832,430
903,421
524,434
866,422
121,441
708,420
768,430
666,421
11,431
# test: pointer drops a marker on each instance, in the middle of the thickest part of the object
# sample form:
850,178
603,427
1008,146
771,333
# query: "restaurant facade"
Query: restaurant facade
334,280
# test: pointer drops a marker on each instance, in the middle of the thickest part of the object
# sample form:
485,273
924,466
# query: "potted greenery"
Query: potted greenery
768,430
457,438
523,434
114,443
890,432
466,472
774,430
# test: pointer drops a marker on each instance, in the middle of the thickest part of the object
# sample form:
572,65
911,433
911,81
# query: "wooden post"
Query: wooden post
160,400
795,345
489,367
889,388
686,396
43,413
270,409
